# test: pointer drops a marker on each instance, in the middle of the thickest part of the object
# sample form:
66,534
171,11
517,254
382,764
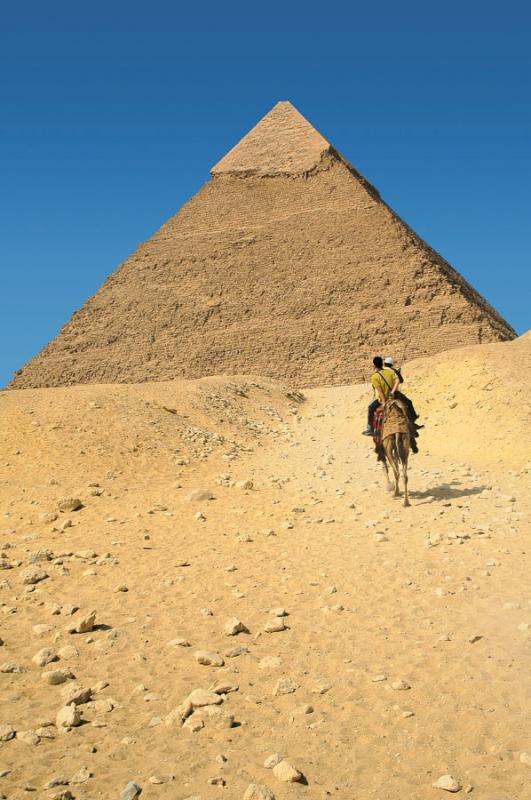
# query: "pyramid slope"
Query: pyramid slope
300,277
283,143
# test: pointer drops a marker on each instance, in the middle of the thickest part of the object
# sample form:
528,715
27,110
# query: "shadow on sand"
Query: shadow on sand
446,491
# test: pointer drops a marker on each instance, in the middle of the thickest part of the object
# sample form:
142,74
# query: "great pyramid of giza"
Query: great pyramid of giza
287,263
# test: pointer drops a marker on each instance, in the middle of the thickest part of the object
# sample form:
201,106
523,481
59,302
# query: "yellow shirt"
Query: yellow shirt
384,380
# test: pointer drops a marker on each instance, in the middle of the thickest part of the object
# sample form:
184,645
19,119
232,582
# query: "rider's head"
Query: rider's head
388,361
377,361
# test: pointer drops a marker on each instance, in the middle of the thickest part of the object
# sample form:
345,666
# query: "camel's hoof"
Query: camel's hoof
406,503
390,487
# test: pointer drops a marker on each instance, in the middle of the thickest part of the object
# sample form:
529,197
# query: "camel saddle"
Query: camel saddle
390,419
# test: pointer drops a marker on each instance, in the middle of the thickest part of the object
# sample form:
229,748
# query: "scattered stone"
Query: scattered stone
11,668
67,652
279,612
525,758
272,761
56,676
83,625
304,709
379,678
48,517
6,733
400,686
200,495
286,772
257,791
74,693
233,626
31,576
202,697
130,791
67,504
234,652
285,686
217,781
178,643
68,717
81,776
40,630
225,688
121,588
208,658
275,625
448,783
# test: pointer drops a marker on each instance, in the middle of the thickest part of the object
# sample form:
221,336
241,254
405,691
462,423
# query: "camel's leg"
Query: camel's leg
392,457
404,453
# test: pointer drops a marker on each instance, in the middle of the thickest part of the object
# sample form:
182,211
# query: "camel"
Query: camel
396,443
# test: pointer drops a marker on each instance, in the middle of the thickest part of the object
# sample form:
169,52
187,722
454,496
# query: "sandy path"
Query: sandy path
449,620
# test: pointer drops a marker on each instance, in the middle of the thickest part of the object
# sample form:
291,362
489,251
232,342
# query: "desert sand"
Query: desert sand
237,537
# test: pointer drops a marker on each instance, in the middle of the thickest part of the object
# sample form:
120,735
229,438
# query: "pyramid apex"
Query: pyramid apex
282,143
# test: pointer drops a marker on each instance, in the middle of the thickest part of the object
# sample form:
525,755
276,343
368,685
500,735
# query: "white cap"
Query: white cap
388,360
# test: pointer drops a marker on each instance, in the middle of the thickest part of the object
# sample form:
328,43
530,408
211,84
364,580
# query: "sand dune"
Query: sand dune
382,648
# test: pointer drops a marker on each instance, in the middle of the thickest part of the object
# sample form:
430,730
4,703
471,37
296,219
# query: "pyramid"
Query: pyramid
287,263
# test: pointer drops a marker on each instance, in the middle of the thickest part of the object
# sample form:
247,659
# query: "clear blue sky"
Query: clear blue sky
112,113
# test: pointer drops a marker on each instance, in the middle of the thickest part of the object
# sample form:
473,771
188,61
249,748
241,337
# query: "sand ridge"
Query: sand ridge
382,648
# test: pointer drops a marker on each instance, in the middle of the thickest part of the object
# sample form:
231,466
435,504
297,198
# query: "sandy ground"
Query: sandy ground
407,642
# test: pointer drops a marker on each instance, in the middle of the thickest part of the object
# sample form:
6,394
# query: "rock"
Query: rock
68,717
56,676
40,630
6,733
81,776
200,495
525,758
208,658
68,652
225,688
257,791
234,652
247,484
275,625
48,517
178,643
9,667
400,686
447,783
286,772
284,686
233,626
31,576
130,791
202,697
279,612
28,737
379,678
121,588
304,709
45,656
76,694
83,625
67,504
272,761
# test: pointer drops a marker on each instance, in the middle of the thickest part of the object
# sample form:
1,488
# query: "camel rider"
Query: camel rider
388,362
384,382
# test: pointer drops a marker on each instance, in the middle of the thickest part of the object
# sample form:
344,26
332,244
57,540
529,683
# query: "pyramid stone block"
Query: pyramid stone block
287,263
